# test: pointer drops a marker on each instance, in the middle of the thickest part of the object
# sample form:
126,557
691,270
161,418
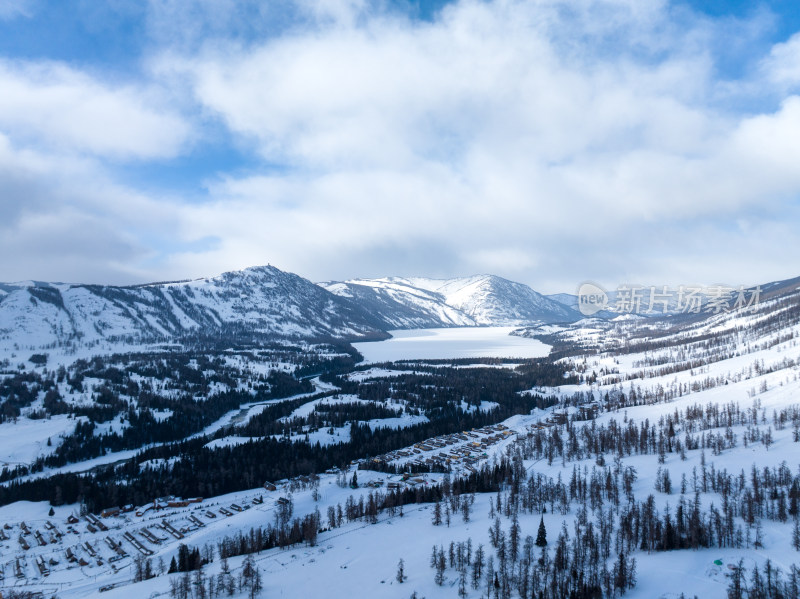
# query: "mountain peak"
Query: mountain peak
482,299
261,301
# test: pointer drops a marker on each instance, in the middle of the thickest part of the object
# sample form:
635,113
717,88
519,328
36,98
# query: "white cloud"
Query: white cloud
782,66
549,141
505,131
62,214
56,106
65,219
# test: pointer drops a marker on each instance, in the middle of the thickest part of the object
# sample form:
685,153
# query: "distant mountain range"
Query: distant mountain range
265,302
256,301
472,301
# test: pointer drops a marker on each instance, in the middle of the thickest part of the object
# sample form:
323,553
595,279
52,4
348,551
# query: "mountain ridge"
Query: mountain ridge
479,300
262,301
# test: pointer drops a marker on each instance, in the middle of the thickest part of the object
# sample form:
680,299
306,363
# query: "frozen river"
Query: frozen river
432,344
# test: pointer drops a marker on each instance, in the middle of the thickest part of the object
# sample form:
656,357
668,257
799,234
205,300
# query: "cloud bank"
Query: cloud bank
546,141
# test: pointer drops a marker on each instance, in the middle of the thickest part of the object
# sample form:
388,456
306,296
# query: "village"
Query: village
462,453
96,544
60,550
455,452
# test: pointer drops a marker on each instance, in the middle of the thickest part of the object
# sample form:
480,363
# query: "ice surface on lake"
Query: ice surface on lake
450,343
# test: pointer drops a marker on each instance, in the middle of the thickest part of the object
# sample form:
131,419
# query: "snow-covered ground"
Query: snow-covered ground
360,559
247,411
374,373
434,344
21,442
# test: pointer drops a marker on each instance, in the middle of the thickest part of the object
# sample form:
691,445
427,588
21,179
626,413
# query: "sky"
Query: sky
546,141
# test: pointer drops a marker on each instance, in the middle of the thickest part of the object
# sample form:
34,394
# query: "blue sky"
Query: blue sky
548,141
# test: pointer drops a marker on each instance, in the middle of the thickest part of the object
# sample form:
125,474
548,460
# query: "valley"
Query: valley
644,446
407,299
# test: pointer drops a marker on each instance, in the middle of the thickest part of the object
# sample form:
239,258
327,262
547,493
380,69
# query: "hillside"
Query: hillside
480,300
256,302
658,454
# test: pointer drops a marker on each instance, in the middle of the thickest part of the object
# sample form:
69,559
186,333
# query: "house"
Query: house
110,512
270,487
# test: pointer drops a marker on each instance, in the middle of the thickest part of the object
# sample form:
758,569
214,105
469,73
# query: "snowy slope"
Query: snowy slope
400,305
750,359
259,300
477,300
493,300
693,336
366,555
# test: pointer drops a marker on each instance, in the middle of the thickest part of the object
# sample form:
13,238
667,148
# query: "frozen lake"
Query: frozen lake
433,344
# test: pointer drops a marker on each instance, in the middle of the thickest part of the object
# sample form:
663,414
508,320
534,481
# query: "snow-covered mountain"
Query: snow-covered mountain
400,305
772,312
471,301
261,300
674,437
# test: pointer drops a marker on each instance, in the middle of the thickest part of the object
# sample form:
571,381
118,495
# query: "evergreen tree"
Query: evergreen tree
793,584
247,573
441,564
466,506
401,572
736,587
437,513
513,538
541,536
477,567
